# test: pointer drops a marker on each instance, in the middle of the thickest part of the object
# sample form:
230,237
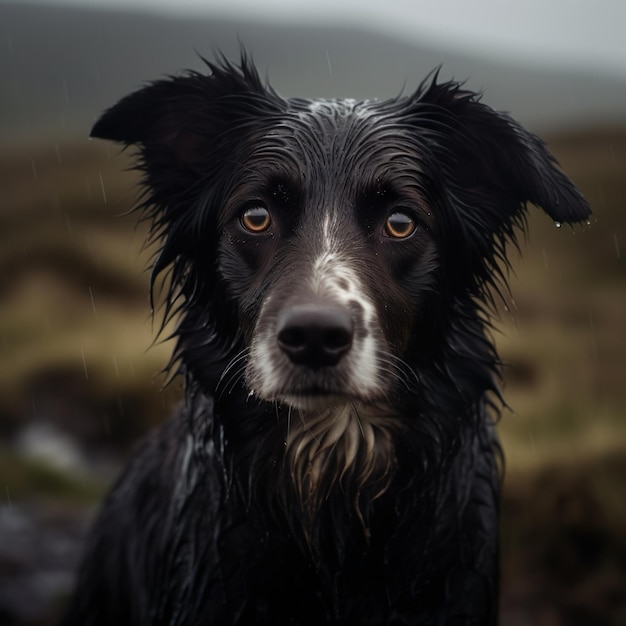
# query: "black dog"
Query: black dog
331,261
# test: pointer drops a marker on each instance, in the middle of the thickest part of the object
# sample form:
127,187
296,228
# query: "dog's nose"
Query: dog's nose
315,335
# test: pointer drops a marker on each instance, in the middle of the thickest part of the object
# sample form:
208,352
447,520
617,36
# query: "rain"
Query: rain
83,369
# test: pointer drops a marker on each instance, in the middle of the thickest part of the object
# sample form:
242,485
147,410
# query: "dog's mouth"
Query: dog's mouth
314,398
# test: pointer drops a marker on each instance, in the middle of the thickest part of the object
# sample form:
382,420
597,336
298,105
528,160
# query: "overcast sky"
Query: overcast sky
588,33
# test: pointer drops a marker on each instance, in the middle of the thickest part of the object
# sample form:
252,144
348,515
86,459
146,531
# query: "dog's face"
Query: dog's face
326,245
335,255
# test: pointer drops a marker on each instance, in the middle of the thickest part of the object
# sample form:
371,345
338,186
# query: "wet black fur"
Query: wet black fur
203,527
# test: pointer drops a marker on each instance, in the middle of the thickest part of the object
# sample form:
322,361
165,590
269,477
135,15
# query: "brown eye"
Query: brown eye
399,225
256,219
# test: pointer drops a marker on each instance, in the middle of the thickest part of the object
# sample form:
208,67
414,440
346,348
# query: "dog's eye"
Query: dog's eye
399,225
256,219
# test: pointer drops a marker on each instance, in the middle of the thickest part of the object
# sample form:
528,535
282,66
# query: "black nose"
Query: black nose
315,335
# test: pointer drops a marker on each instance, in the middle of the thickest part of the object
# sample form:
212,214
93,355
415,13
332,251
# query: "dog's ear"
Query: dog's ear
189,132
496,161
180,122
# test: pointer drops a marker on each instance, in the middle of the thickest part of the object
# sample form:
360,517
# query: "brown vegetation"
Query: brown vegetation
76,349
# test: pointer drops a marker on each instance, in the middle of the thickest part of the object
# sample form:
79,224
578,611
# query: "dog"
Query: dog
332,266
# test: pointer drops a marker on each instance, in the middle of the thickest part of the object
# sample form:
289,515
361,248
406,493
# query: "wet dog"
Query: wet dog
331,264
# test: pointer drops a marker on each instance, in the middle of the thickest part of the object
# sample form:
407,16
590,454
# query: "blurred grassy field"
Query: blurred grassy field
76,350
565,334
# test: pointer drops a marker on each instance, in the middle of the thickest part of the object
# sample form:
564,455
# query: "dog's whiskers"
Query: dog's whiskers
399,369
232,373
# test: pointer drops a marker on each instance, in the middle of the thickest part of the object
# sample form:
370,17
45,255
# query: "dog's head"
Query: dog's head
325,225
322,249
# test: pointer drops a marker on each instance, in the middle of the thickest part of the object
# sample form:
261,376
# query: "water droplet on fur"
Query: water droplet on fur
558,224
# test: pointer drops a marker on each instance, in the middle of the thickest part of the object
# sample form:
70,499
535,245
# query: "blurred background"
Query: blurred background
80,378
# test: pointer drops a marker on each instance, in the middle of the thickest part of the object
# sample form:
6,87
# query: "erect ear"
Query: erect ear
180,121
496,162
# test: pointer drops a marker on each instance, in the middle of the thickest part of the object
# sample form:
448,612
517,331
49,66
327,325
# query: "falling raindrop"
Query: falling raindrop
612,153
34,168
117,369
545,258
82,352
93,302
57,149
330,67
6,488
617,251
104,195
